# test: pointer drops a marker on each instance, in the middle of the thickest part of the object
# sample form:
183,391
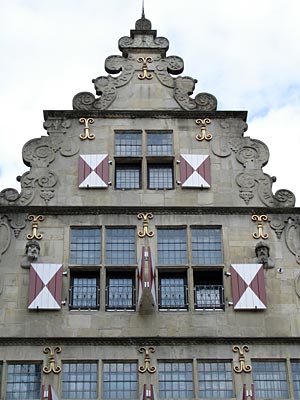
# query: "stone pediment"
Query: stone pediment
144,78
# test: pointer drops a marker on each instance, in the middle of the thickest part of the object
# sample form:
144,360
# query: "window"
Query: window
128,176
84,291
175,380
172,290
171,245
85,246
159,143
120,246
215,380
206,246
160,176
296,378
23,381
208,289
120,290
79,380
128,143
120,380
270,379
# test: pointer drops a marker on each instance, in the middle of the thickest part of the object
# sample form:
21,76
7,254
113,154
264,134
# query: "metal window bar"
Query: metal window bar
120,297
173,296
209,297
84,297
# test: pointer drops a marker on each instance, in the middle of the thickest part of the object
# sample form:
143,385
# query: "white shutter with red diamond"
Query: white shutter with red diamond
195,170
93,171
147,280
45,286
248,287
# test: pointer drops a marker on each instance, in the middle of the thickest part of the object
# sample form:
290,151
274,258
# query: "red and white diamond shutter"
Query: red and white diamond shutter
248,287
195,170
93,171
146,279
45,286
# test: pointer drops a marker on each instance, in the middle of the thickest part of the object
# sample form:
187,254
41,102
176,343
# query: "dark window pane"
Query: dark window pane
296,378
120,246
206,246
79,380
23,382
208,289
159,144
85,246
128,176
128,144
171,246
160,176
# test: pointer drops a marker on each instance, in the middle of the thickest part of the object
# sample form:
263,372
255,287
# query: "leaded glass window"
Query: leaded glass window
270,379
120,290
120,246
84,291
128,176
80,380
175,380
120,380
215,380
160,176
296,378
206,246
128,143
85,246
171,245
172,291
159,144
208,289
23,382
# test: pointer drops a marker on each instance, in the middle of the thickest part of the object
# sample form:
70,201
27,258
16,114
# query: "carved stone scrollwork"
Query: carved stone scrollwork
246,182
278,226
292,237
17,222
169,65
206,102
38,153
57,126
5,235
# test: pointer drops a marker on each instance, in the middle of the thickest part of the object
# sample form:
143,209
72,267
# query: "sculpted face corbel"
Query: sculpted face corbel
262,251
32,253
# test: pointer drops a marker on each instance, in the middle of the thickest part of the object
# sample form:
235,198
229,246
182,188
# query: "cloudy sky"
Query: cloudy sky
245,52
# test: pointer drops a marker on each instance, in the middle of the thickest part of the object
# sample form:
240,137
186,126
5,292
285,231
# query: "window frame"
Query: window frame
66,393
158,133
170,274
118,134
176,385
113,273
202,393
84,274
133,166
114,246
80,260
272,392
10,395
133,394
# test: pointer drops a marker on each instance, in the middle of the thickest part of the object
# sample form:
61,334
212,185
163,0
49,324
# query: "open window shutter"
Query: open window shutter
195,170
141,278
148,394
45,286
49,394
147,280
248,287
152,277
93,171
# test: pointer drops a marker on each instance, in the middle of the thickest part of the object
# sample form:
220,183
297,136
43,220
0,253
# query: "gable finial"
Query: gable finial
143,9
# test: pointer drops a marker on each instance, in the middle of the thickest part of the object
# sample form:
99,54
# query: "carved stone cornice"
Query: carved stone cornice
146,341
180,114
